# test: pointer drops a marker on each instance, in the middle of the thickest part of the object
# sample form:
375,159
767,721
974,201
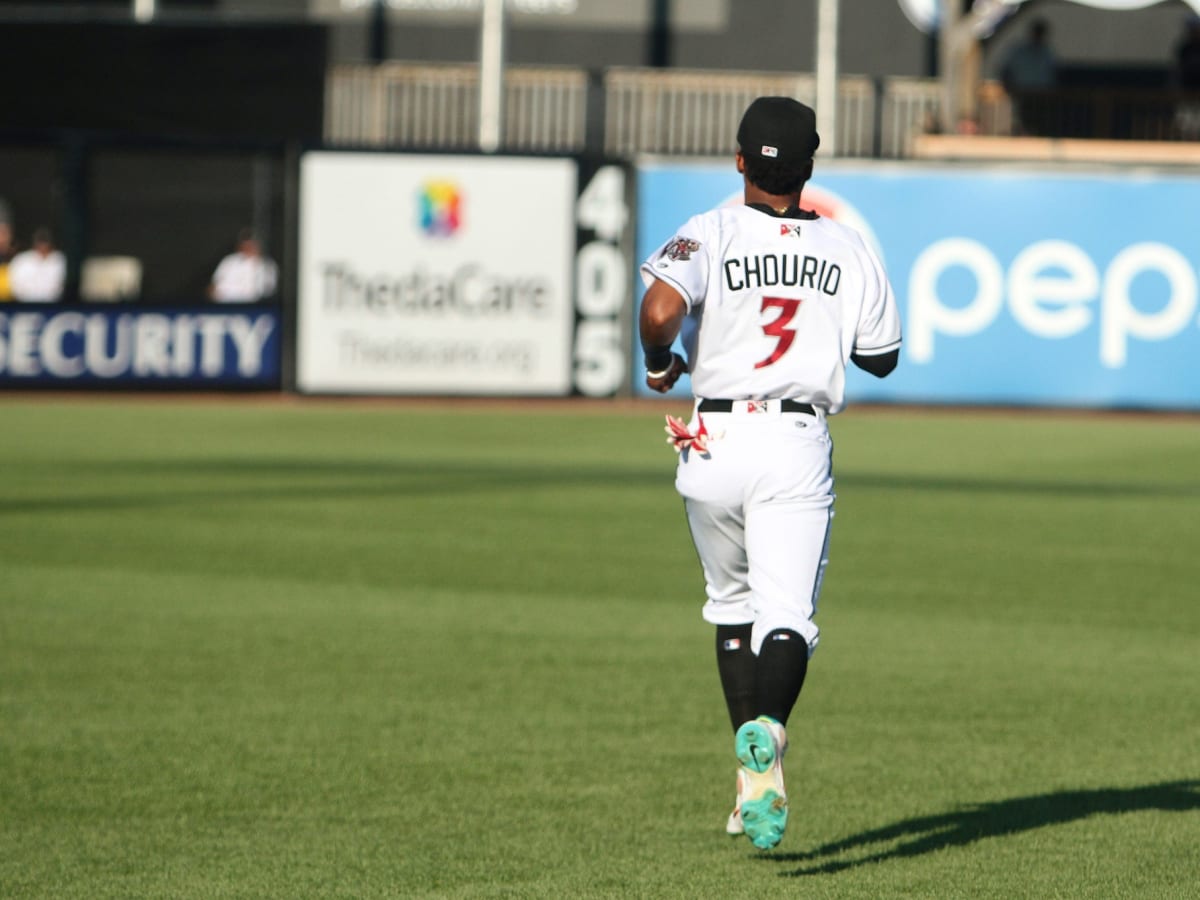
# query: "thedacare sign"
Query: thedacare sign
436,274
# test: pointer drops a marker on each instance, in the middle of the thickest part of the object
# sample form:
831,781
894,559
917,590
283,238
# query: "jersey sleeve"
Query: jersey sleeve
682,262
879,323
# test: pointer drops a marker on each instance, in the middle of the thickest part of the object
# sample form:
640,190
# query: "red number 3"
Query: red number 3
778,327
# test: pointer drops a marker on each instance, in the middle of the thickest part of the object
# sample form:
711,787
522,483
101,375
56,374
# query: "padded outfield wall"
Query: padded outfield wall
516,276
1017,285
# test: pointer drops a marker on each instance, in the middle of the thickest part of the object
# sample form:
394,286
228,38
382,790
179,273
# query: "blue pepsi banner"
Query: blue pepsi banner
186,347
1015,286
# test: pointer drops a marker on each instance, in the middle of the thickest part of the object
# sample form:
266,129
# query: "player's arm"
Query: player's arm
880,366
661,317
877,341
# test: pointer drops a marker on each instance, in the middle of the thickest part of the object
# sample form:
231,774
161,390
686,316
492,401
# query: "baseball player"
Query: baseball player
771,302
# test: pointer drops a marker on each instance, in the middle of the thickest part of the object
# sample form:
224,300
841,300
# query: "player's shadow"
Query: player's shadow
928,834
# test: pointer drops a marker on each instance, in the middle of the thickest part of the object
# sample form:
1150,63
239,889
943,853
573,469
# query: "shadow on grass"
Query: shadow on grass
1011,486
188,481
204,482
928,834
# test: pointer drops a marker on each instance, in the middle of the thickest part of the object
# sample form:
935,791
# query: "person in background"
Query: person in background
1187,56
37,275
1030,69
1185,78
246,275
8,249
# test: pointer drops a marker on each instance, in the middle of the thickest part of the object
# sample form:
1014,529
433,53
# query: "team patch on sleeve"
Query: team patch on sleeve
680,248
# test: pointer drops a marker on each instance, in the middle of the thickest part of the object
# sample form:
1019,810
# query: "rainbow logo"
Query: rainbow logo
440,206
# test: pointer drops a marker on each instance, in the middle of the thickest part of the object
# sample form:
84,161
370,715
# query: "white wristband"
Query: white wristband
661,374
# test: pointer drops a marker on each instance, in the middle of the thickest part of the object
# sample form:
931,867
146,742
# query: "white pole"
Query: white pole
491,76
827,74
143,10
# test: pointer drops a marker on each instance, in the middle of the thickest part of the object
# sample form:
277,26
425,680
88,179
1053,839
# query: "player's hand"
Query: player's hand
664,381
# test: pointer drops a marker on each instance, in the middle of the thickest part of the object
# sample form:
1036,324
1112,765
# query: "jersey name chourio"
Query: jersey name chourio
776,306
789,270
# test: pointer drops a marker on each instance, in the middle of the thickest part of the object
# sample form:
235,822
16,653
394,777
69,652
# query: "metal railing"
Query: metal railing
696,113
909,106
1137,115
437,106
675,112
686,113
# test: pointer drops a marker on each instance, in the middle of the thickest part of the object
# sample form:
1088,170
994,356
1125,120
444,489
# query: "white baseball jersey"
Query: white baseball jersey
775,305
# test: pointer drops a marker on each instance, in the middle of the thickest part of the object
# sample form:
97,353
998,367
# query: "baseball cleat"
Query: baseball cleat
762,798
733,825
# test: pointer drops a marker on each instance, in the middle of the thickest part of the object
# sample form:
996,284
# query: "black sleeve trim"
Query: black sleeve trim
879,365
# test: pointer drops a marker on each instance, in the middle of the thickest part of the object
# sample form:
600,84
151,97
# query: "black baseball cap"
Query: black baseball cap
779,129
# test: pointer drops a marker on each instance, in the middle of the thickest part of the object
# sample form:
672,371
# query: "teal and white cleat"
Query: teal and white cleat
762,799
733,825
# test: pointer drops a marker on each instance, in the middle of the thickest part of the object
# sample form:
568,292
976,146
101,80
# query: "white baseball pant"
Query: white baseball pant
759,505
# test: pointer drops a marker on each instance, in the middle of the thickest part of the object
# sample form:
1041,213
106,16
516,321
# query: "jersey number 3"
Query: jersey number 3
777,328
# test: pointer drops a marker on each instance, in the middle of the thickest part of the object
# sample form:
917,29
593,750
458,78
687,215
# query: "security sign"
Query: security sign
67,346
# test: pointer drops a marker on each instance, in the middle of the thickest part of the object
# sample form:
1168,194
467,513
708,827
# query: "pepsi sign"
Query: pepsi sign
1015,286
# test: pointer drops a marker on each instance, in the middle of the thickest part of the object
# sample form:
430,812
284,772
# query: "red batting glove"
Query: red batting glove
681,439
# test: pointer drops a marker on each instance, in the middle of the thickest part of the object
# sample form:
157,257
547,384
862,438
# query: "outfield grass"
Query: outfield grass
389,650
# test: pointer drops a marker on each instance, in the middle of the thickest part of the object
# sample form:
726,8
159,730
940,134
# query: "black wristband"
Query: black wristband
658,359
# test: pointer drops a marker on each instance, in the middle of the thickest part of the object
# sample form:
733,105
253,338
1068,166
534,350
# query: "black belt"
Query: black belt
719,406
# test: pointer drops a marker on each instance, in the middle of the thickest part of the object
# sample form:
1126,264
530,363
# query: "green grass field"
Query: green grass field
323,649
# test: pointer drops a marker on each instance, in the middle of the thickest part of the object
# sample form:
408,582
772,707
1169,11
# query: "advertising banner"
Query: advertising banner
1015,286
68,346
925,13
435,274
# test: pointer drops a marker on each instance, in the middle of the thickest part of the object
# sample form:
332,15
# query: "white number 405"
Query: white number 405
601,207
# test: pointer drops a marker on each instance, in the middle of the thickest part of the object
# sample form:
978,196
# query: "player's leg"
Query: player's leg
787,547
736,666
786,537
786,540
717,535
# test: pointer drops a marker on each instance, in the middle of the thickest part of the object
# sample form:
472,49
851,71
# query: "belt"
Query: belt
787,406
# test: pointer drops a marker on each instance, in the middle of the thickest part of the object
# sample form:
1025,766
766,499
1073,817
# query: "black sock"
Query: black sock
736,664
779,674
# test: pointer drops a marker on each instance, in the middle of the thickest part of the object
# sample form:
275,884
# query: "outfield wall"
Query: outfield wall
516,276
501,276
1017,285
